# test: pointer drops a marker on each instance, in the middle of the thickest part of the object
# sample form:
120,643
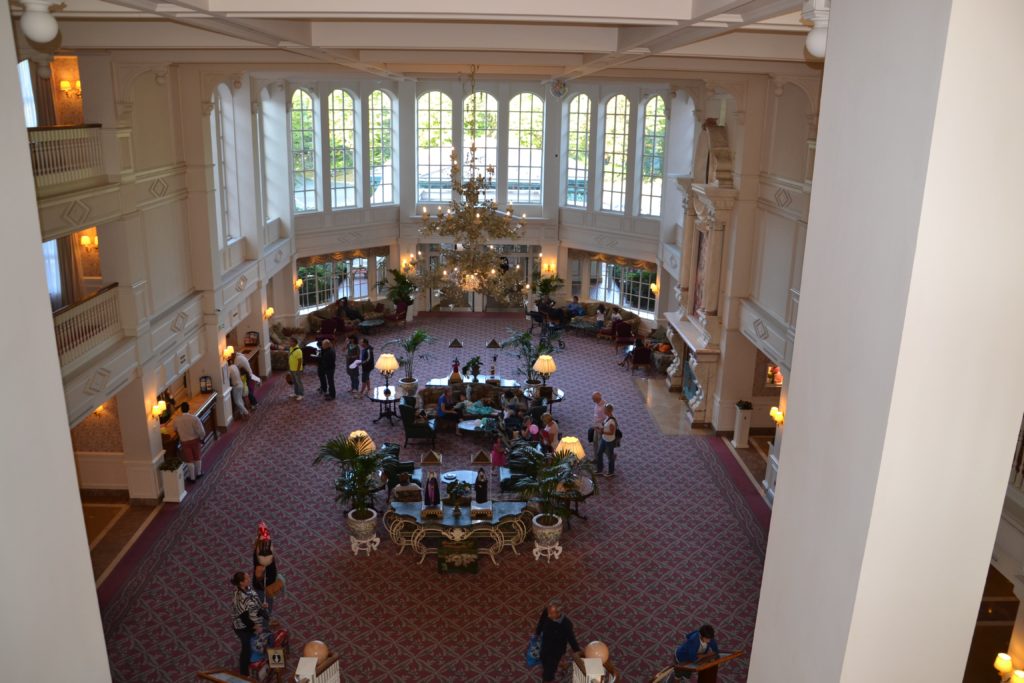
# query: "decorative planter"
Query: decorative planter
741,430
174,484
408,386
546,536
363,532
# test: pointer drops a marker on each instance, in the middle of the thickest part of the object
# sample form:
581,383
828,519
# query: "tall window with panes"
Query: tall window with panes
525,149
652,161
615,167
382,147
577,158
480,130
433,146
341,140
303,152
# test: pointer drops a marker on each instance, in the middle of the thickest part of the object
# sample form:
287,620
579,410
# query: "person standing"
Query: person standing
608,429
598,420
237,387
243,366
295,364
556,632
325,368
191,433
351,356
365,365
548,435
245,617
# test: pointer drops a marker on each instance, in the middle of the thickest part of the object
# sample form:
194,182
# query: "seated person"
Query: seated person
462,404
445,408
575,308
599,316
639,343
510,400
407,490
699,645
529,431
616,314
513,420
350,312
548,435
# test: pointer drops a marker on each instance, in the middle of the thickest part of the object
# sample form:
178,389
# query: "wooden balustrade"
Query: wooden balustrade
87,325
65,154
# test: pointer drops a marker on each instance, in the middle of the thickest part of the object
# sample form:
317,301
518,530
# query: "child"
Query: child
498,453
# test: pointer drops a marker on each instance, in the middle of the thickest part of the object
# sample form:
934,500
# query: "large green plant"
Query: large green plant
546,286
360,466
400,287
410,345
527,350
546,478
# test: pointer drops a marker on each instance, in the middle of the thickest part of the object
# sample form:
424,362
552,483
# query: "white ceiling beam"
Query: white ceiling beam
464,36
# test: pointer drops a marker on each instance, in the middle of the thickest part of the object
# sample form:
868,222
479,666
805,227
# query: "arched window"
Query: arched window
653,160
382,170
303,150
222,147
480,129
616,154
341,132
577,158
525,149
433,144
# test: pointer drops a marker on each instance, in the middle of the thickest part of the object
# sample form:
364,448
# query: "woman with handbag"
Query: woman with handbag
609,440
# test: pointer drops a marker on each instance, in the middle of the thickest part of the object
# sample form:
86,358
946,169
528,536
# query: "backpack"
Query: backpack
618,434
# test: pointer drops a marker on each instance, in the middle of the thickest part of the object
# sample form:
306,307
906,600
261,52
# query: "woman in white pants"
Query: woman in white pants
237,388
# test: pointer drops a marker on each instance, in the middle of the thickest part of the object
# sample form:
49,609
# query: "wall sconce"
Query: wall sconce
1004,665
777,415
89,242
228,352
69,92
571,444
298,283
655,288
545,367
268,314
549,268
159,408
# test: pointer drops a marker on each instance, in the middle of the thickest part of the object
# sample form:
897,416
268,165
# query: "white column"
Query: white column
49,596
905,402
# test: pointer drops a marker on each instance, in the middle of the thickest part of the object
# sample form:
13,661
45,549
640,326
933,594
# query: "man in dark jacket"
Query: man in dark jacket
325,368
698,645
555,630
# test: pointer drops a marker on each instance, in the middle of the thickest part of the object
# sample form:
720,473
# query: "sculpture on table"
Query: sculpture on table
480,486
432,492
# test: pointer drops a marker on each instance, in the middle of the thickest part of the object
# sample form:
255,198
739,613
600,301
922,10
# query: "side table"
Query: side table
387,399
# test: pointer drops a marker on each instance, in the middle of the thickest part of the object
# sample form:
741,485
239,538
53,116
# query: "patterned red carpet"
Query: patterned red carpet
669,543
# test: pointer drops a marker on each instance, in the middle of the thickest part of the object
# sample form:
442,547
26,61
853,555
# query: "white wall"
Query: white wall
51,621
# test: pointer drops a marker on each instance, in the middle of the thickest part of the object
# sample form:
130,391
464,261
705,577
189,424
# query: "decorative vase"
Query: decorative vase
409,386
362,529
174,484
547,530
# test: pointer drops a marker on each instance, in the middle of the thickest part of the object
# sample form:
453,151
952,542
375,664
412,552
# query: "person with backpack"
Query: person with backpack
610,436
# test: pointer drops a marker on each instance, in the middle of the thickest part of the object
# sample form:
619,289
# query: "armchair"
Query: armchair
416,427
621,333
642,356
398,317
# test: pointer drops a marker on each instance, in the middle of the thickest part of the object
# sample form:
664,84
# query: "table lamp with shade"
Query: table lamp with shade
1004,665
387,364
455,377
545,367
571,444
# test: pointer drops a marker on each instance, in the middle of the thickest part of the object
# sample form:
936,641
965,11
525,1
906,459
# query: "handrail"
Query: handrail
66,126
64,309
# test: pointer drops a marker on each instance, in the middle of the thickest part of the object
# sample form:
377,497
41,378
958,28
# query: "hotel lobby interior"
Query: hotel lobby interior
801,210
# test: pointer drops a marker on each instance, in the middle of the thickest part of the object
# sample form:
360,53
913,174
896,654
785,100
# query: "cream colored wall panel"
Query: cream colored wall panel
185,319
277,257
774,262
167,254
344,239
238,285
764,331
157,186
67,213
95,384
152,123
100,470
783,196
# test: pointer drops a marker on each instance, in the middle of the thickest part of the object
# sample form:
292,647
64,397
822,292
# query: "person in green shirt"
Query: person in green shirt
295,368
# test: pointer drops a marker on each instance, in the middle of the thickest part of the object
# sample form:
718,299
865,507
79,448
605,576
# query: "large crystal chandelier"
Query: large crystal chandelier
469,227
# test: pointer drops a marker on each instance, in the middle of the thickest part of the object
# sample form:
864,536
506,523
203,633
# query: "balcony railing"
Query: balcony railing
87,325
66,154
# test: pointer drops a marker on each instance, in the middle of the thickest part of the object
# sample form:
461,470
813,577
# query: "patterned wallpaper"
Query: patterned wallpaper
100,432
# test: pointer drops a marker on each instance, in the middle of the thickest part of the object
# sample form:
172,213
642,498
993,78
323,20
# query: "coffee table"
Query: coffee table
368,326
478,426
386,402
557,396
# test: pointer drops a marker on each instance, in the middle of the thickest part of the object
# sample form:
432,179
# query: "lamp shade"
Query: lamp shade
1018,676
571,444
776,414
362,441
267,314
228,350
1003,663
65,86
545,365
386,363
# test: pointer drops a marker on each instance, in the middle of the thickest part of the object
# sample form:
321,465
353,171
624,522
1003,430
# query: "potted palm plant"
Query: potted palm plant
400,288
546,480
548,285
409,345
360,466
526,350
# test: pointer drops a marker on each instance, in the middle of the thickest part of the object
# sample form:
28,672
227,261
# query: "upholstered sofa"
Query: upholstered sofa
588,320
328,315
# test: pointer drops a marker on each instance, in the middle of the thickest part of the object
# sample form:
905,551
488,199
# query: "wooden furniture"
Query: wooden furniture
386,398
707,669
252,354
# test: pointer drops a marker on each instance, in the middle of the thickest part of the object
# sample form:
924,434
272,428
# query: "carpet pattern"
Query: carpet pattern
669,544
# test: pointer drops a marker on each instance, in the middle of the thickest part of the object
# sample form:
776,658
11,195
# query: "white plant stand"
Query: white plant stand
368,544
548,552
174,484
